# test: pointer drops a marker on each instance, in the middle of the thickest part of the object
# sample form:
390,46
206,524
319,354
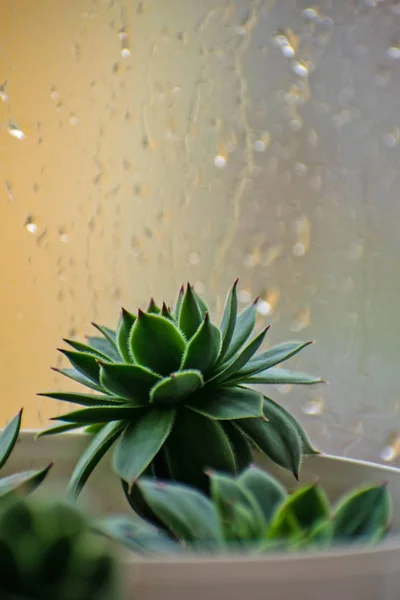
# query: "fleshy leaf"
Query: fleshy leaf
306,445
153,308
108,333
239,444
103,345
232,370
282,376
123,334
277,439
98,414
157,344
203,349
84,399
186,512
227,494
165,312
228,320
189,316
308,506
23,483
227,403
92,455
132,382
78,377
85,363
8,437
141,441
275,355
202,305
245,324
266,491
59,429
195,445
137,534
178,304
86,349
176,387
363,514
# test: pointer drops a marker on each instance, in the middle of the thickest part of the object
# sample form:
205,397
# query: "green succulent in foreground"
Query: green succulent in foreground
251,513
172,388
21,483
49,552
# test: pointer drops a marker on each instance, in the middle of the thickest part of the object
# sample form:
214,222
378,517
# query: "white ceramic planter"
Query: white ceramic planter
361,573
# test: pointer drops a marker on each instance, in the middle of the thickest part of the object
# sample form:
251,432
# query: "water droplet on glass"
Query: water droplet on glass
395,8
264,308
125,52
30,225
393,52
285,388
244,296
16,131
391,138
54,94
63,236
300,169
314,407
122,34
392,451
73,119
194,258
259,146
3,93
309,14
299,249
299,68
296,124
282,42
9,190
220,161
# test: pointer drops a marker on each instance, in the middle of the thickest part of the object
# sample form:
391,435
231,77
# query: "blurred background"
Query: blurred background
146,143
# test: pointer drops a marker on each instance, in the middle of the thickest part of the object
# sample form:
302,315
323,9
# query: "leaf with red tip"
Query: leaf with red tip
178,303
85,363
153,308
245,324
203,349
228,320
123,334
189,316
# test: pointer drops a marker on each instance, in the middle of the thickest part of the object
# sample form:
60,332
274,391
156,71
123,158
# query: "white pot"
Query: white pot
358,573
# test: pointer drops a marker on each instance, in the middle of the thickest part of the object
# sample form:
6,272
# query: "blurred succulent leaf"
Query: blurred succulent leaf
277,376
8,437
266,491
23,483
239,444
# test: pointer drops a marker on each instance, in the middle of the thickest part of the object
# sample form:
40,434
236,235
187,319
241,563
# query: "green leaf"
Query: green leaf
245,324
23,483
157,344
123,334
8,437
270,358
201,304
137,535
85,363
78,377
99,414
306,445
240,446
227,403
308,506
203,349
232,370
108,333
227,494
86,349
132,382
282,376
103,345
153,308
141,441
60,429
176,387
228,320
320,536
178,304
84,399
364,514
277,439
189,316
186,512
195,445
266,491
165,312
92,455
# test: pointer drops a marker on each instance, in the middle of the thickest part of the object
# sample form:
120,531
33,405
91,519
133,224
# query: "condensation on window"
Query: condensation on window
147,143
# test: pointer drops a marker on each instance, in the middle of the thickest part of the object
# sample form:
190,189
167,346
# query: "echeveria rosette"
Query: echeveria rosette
170,390
251,513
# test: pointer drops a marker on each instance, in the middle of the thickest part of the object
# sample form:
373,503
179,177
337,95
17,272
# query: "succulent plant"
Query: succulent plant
251,513
22,483
172,388
48,551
